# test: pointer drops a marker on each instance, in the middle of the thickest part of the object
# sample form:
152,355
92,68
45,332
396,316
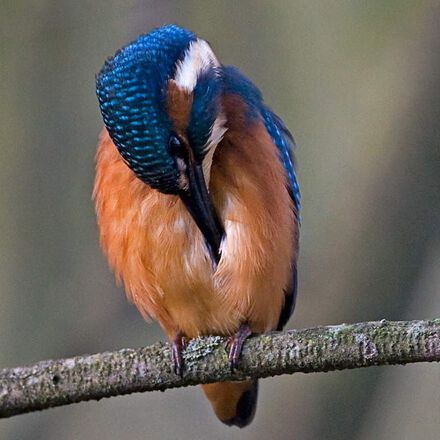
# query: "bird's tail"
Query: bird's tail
234,403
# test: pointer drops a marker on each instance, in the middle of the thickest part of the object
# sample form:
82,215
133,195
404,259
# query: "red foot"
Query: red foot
236,345
177,348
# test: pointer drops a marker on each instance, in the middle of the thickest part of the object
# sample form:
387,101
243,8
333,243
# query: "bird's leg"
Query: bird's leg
178,346
236,342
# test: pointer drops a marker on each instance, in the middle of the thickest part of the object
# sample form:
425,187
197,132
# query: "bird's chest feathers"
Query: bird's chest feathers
182,281
157,250
176,244
175,249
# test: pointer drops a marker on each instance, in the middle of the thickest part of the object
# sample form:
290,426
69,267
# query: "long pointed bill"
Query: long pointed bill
199,204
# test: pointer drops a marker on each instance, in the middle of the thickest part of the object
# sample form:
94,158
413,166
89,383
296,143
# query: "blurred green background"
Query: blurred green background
358,82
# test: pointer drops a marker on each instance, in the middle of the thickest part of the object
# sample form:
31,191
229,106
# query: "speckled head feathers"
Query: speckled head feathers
133,90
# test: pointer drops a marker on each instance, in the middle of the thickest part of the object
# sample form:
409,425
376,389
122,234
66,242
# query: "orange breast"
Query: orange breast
155,248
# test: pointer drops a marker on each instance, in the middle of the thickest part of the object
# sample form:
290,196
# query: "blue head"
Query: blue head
160,101
138,91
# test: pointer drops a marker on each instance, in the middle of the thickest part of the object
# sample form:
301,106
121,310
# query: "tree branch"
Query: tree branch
61,382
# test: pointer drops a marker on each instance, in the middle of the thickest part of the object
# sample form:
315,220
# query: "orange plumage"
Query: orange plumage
156,249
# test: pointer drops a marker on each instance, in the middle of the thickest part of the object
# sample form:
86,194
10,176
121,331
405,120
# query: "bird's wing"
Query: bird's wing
285,143
235,82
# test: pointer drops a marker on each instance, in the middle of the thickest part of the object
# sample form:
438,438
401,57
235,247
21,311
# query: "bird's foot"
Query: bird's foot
236,345
177,348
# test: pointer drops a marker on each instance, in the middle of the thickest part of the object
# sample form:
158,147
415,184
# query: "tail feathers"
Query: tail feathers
234,403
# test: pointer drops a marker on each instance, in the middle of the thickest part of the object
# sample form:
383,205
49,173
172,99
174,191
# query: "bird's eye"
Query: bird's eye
175,146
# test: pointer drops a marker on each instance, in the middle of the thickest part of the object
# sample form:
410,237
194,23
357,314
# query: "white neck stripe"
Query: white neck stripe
198,58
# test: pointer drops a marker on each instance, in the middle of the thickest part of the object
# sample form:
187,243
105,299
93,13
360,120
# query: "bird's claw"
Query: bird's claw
235,343
177,348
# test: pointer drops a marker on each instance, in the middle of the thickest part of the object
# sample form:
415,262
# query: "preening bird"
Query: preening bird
197,199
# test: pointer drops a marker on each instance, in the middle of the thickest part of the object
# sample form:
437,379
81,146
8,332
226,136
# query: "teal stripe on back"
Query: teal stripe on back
284,141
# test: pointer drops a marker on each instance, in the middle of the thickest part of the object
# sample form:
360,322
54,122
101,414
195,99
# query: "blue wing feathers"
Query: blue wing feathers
285,143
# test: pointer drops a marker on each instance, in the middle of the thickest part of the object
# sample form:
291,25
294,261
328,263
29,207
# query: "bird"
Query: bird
197,200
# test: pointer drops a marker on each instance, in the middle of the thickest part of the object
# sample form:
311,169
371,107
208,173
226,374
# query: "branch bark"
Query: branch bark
61,382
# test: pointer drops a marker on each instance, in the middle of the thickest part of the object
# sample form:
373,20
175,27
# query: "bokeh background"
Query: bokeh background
358,82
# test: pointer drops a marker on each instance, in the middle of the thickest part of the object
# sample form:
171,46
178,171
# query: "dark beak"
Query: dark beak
198,202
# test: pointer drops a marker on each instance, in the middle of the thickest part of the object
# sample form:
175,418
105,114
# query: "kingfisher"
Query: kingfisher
197,200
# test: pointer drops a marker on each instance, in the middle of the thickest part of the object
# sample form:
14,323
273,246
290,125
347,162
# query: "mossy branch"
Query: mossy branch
61,382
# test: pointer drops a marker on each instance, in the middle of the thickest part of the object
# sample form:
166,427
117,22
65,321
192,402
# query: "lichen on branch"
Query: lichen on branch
54,383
